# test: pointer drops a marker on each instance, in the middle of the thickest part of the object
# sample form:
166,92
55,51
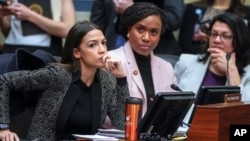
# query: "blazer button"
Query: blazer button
135,72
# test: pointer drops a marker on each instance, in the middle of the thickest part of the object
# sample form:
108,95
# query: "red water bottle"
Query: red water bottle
133,113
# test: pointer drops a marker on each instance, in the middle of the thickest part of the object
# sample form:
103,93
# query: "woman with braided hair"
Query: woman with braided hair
142,24
106,14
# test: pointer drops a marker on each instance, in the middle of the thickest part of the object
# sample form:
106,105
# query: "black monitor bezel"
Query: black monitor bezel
217,93
152,115
205,91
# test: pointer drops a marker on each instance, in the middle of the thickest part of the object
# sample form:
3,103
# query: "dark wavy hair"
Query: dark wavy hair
240,39
137,12
73,40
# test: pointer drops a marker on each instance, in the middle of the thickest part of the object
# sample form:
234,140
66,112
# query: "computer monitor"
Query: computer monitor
212,95
215,94
165,115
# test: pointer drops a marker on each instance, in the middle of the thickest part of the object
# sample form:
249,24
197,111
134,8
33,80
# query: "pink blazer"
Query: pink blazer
162,73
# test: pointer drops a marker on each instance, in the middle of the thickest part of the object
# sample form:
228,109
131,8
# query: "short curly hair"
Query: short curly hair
137,12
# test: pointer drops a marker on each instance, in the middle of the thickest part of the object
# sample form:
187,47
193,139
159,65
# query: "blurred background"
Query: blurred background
83,8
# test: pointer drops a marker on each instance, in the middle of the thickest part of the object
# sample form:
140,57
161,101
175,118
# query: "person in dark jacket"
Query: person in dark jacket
78,93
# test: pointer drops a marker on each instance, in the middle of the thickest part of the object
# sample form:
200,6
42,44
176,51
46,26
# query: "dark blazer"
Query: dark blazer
187,30
187,44
58,98
103,14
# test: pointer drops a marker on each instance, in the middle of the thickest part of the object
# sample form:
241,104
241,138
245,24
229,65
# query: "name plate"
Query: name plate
232,98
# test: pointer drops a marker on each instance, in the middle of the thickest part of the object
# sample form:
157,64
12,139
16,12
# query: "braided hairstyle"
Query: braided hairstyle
137,12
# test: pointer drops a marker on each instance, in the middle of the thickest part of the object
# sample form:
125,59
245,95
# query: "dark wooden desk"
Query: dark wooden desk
212,122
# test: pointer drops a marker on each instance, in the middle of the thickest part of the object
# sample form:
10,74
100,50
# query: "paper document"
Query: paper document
111,133
95,137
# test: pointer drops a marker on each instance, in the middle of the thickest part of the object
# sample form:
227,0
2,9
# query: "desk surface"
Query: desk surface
175,139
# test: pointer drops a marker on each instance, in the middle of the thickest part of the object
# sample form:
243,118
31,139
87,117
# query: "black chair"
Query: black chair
22,109
20,123
170,58
22,103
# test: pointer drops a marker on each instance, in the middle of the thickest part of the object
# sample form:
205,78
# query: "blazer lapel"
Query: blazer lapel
155,67
66,107
135,74
198,73
96,108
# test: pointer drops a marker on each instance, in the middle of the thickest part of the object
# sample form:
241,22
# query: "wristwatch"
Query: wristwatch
4,126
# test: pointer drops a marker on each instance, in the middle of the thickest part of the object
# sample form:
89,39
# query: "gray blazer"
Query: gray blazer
55,103
190,74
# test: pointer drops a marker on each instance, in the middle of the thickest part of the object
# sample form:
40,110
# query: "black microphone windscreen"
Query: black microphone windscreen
228,56
175,87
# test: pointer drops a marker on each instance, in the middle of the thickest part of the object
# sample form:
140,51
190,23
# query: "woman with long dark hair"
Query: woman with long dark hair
78,93
225,62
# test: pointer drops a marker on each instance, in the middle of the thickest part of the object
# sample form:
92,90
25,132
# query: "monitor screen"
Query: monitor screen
166,113
212,95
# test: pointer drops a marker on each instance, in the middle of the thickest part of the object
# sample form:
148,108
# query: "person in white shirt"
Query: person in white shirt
36,25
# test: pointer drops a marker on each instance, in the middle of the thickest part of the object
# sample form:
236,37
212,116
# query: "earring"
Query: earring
128,35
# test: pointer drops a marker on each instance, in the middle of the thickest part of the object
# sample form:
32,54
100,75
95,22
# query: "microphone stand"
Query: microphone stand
228,56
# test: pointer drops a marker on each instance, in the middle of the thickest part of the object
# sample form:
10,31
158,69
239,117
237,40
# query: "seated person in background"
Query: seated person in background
142,24
106,13
78,93
196,20
36,24
225,62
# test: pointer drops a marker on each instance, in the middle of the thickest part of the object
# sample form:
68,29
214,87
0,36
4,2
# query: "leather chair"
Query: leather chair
170,58
22,104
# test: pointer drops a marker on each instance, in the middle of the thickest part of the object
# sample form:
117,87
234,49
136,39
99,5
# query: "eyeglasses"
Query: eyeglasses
223,37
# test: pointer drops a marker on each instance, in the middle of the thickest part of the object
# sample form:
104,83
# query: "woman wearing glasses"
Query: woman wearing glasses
197,17
226,61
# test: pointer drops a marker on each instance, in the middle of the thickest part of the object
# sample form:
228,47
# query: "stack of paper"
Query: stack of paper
94,138
111,133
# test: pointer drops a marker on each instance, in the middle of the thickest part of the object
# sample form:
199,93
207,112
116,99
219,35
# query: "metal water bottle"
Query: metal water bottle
133,113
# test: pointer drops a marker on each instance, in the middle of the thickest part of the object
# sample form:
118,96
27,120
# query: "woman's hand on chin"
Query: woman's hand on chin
114,66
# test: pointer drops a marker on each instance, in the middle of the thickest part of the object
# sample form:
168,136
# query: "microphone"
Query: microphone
228,56
175,87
